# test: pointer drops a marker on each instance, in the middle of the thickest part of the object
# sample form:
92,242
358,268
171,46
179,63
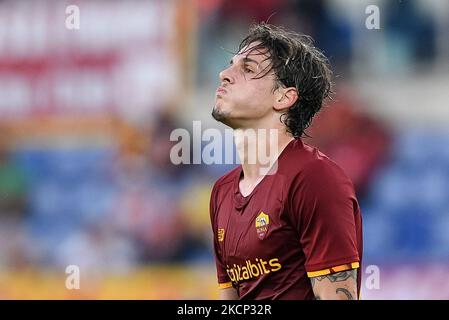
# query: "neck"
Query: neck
259,150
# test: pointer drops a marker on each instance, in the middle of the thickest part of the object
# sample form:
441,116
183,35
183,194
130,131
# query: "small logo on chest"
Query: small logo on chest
262,223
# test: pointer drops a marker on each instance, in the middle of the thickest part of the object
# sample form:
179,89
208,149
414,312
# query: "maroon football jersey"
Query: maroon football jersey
303,221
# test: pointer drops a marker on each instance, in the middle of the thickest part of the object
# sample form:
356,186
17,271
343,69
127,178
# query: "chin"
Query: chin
222,116
218,114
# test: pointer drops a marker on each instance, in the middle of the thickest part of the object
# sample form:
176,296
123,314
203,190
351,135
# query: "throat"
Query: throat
247,186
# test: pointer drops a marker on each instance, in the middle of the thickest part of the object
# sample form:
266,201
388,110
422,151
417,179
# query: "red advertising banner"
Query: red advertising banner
121,58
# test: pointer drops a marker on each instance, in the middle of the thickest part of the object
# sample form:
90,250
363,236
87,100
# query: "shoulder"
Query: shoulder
321,167
300,156
225,182
227,179
312,169
221,187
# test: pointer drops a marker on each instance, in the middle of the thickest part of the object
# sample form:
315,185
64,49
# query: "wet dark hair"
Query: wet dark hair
297,63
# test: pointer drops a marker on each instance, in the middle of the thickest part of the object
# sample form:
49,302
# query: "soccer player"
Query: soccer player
294,232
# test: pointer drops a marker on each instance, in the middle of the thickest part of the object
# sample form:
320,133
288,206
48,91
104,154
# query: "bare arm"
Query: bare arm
336,286
228,294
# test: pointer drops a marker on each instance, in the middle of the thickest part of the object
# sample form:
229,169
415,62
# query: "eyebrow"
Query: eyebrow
245,60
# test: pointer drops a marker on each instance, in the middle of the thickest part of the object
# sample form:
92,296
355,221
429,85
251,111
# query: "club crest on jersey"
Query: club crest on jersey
262,222
221,235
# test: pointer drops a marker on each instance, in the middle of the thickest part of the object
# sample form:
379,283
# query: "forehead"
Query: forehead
255,53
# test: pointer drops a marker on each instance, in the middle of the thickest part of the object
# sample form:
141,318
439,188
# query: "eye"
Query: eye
247,70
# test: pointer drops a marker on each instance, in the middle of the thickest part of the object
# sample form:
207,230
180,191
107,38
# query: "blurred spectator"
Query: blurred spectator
411,33
13,208
331,33
149,188
13,185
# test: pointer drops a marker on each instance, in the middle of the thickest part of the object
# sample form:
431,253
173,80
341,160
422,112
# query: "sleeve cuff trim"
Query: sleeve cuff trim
343,267
225,285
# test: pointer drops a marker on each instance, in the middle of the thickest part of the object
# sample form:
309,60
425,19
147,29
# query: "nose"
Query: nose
226,76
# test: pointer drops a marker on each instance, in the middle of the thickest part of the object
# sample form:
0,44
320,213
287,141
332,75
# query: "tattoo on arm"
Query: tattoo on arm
337,277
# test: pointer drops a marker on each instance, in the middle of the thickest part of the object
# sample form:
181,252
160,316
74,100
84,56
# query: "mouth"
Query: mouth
220,90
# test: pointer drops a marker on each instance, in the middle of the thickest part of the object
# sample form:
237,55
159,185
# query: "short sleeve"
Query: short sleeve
222,276
323,207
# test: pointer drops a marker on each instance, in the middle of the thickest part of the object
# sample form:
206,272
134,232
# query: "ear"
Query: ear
285,98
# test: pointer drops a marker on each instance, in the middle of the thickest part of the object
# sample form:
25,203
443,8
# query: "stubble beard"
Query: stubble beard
218,115
221,116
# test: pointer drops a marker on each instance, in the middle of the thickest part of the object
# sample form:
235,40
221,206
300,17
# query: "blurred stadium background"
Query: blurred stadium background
85,119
